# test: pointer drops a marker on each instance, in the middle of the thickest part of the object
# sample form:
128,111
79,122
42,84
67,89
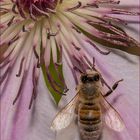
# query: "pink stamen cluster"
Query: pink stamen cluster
35,8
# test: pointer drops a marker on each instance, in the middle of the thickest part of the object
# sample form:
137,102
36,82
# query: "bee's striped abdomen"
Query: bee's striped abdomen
89,121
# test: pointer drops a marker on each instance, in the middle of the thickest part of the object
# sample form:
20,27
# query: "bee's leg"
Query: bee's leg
113,88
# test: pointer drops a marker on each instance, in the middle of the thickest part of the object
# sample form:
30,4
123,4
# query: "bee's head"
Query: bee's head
91,83
90,77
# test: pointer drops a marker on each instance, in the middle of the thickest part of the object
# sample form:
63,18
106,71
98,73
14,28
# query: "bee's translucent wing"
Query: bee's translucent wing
65,116
111,116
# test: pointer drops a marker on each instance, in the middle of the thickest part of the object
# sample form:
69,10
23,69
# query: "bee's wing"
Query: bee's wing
65,116
111,116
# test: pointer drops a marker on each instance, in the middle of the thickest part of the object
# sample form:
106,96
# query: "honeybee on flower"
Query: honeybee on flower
38,35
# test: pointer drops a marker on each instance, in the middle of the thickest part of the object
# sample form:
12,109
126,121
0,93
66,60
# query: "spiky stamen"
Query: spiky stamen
75,7
20,68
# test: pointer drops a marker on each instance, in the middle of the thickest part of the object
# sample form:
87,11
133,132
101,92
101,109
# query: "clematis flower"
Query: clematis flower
39,39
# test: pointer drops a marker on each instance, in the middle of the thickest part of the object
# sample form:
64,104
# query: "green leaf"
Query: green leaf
55,74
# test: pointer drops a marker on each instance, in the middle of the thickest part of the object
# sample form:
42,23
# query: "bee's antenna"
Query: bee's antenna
93,62
78,70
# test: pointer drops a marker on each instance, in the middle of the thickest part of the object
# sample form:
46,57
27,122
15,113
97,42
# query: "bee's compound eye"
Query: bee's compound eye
96,77
84,79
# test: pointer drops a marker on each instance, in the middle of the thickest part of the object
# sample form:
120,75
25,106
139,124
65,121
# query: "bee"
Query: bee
90,108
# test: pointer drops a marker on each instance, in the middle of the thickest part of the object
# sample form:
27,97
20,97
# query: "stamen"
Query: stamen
104,82
42,51
78,70
41,11
93,62
60,86
11,21
113,88
2,78
51,10
108,26
120,11
116,84
78,31
13,40
80,63
31,101
52,84
23,29
37,57
21,87
14,9
31,13
71,68
75,7
65,89
88,62
52,34
101,52
20,9
77,48
91,5
109,1
115,19
20,68
34,81
74,75
4,64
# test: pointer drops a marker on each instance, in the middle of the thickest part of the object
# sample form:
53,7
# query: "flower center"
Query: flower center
36,7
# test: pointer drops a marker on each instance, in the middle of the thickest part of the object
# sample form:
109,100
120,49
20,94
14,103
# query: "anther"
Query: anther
92,5
75,7
93,62
11,21
116,84
100,51
20,68
37,57
31,101
13,40
24,29
52,34
77,48
14,9
21,87
113,88
34,81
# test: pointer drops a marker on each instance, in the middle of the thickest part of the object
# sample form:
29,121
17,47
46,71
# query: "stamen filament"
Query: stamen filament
20,67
